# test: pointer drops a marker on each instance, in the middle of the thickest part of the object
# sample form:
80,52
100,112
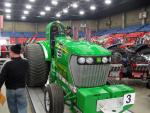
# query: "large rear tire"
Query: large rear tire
117,55
53,99
145,51
38,67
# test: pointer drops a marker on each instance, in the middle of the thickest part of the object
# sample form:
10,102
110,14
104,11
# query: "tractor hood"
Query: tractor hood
83,47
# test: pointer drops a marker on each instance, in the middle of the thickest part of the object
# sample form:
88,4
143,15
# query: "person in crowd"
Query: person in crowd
69,31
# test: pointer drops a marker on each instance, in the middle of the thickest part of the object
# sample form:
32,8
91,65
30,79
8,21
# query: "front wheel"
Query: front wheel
53,99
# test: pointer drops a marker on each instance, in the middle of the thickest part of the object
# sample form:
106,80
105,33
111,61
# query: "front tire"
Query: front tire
53,99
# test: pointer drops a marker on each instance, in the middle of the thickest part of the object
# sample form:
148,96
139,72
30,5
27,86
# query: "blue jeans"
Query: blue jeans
16,100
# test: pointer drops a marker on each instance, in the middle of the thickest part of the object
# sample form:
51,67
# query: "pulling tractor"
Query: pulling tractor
78,72
131,55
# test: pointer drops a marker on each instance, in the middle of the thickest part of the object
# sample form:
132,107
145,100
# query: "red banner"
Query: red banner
1,21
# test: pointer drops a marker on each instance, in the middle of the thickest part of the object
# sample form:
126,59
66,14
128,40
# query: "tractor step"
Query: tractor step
36,100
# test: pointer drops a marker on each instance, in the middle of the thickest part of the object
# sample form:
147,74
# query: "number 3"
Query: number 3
129,99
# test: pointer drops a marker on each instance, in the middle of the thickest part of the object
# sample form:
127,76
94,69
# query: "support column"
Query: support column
144,19
13,26
36,28
97,25
123,20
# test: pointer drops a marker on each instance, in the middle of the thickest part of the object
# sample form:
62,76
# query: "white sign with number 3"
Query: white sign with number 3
129,99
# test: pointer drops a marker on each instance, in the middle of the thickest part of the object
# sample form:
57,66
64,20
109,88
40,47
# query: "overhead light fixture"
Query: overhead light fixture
32,0
54,2
28,6
81,12
8,10
74,5
92,7
47,8
108,2
26,12
87,0
58,15
7,4
8,17
42,13
23,17
65,10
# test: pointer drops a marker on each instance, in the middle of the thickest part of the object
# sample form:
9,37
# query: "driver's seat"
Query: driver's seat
54,33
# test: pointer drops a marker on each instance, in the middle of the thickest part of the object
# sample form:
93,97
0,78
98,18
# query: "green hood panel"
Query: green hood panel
83,48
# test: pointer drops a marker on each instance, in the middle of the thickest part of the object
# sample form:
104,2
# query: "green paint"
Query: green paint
85,99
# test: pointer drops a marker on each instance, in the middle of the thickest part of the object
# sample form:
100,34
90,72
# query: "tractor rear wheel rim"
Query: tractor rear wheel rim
47,101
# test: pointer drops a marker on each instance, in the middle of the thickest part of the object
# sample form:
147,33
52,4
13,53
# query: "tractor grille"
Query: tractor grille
89,75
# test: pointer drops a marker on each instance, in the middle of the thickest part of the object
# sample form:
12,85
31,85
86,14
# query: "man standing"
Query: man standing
13,73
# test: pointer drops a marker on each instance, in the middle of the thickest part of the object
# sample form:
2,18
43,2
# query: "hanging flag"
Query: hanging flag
1,22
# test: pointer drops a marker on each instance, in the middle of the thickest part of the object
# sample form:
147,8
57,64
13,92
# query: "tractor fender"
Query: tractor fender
46,49
114,46
141,47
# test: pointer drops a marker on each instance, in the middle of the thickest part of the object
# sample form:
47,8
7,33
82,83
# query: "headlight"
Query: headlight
81,60
89,60
105,60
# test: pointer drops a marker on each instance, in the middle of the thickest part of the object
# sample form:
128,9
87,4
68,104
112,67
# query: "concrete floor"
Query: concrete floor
142,103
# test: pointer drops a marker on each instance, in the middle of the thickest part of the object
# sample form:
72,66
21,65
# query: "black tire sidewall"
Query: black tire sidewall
38,67
53,97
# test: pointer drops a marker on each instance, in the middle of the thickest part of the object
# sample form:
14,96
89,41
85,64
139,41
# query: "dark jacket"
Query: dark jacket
14,73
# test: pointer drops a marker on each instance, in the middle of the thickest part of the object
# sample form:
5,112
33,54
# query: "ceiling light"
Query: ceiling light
8,10
65,10
26,12
92,7
8,17
23,17
47,8
32,0
7,4
28,6
54,2
42,13
74,5
87,0
108,2
81,12
58,15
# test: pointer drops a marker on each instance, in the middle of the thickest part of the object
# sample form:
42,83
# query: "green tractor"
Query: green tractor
78,73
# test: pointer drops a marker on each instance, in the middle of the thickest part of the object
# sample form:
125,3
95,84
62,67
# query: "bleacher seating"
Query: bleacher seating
23,34
129,29
146,28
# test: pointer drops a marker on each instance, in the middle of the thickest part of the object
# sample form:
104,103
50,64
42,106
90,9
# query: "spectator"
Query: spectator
69,31
13,73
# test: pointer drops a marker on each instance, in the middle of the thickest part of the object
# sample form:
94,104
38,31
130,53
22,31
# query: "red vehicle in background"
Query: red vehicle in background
131,55
4,51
